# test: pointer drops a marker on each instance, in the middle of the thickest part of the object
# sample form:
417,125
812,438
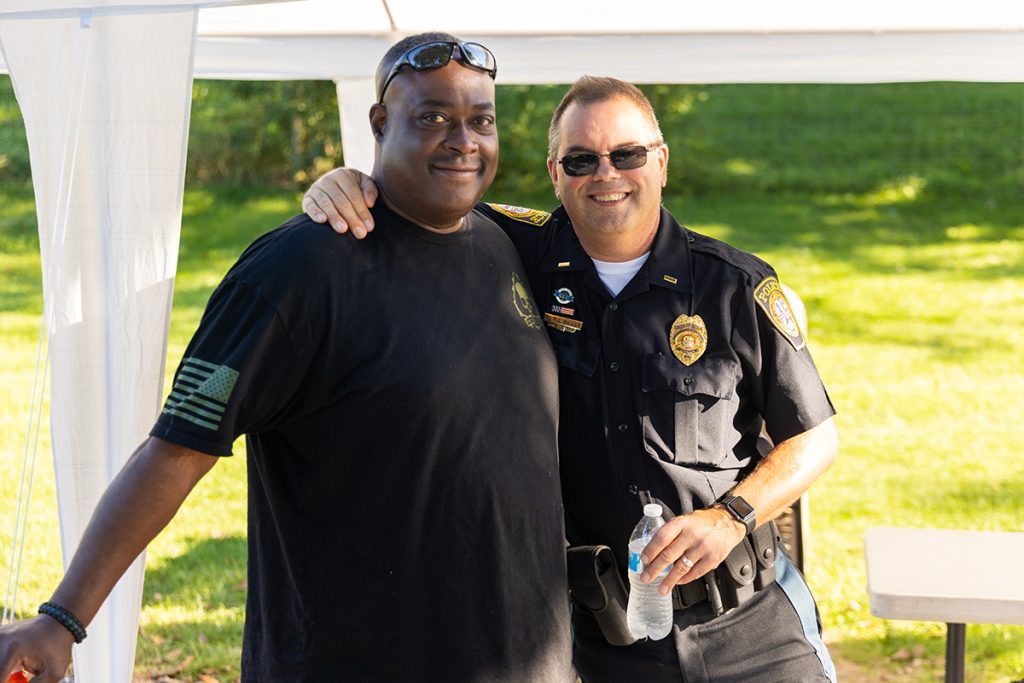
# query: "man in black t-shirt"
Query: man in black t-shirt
400,408
675,352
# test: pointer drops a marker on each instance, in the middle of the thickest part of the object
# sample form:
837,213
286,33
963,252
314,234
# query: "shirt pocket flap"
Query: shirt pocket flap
709,376
581,355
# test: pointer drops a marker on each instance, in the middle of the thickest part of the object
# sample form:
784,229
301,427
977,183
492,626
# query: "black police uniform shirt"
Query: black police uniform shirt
399,400
633,416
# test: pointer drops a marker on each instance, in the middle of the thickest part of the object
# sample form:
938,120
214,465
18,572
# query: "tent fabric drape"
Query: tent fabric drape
106,105
355,97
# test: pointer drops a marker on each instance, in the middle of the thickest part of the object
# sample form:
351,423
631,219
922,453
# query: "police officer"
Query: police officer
675,351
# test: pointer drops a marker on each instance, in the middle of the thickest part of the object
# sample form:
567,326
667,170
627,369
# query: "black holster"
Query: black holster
596,586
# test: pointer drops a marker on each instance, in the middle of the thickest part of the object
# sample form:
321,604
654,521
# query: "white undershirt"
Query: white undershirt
616,275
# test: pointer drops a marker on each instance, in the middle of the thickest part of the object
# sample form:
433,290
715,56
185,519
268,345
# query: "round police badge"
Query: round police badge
688,338
564,296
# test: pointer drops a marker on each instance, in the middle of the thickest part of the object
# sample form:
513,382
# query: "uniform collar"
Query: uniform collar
565,253
668,266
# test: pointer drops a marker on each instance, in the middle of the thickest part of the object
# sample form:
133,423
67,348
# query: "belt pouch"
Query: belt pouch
763,540
736,575
595,585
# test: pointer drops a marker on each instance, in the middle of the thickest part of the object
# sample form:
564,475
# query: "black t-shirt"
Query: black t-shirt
634,416
399,400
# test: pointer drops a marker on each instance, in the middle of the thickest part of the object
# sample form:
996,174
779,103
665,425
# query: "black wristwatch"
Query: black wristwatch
739,508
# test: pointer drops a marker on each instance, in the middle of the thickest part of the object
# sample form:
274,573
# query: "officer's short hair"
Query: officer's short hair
396,51
593,89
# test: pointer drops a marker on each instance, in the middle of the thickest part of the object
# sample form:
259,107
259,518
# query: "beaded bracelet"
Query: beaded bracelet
65,619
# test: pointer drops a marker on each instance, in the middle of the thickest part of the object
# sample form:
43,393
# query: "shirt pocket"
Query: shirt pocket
578,354
687,410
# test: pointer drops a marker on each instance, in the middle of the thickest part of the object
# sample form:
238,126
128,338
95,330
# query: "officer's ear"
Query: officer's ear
553,174
662,152
378,118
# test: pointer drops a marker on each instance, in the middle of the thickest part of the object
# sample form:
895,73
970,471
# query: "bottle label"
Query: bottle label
636,564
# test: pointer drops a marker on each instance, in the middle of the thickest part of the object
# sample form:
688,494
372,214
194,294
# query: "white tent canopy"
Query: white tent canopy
655,41
651,41
105,85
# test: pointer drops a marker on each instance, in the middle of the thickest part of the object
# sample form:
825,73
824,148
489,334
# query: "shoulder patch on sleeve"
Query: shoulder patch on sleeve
201,392
772,300
523,215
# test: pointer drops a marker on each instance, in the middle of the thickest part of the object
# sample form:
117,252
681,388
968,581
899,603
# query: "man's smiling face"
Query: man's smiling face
610,201
438,143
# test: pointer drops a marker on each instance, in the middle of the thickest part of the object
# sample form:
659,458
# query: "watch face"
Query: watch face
740,507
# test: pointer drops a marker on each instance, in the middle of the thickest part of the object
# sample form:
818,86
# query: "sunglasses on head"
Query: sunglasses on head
437,54
623,158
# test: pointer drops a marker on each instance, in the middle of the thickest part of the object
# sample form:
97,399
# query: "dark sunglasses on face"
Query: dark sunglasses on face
623,158
437,54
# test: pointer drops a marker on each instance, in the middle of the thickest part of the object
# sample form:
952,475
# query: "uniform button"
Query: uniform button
614,366
613,306
633,488
688,381
623,427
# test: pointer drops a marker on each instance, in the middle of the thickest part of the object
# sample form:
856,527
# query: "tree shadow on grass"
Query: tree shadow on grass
212,570
892,247
208,578
917,654
849,228
973,501
188,651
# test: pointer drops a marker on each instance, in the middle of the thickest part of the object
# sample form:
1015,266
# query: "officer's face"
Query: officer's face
611,201
437,143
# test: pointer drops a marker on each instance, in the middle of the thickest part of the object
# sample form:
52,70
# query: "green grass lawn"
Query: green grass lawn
916,307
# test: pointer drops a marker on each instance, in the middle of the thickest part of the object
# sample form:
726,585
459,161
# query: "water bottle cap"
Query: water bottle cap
652,510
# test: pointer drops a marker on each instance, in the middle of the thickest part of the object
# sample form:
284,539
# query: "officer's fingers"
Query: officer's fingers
369,189
363,217
667,556
662,539
346,188
681,572
318,205
347,200
310,208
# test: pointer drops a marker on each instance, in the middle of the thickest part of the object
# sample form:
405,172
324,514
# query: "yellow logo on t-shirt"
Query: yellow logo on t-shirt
524,303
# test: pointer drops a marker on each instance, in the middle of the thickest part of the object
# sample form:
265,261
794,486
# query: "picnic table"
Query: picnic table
956,577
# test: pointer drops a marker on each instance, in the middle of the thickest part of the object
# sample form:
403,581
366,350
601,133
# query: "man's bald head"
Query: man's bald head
396,51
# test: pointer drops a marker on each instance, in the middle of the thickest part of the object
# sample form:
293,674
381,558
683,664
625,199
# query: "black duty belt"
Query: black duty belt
687,595
596,585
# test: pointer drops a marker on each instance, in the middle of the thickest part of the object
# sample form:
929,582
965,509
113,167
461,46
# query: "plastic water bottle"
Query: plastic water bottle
648,613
